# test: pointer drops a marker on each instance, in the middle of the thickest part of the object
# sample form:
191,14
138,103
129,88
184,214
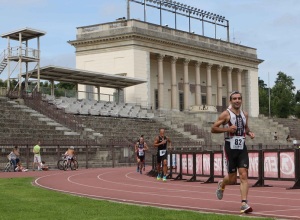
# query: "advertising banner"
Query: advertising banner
199,164
270,164
253,164
287,165
218,164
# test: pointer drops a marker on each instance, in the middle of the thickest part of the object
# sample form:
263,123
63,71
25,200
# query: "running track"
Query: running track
126,185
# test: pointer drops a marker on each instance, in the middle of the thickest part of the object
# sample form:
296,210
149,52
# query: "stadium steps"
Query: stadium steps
264,128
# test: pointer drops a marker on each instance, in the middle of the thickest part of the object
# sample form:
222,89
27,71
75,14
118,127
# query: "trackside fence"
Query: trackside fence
264,164
88,156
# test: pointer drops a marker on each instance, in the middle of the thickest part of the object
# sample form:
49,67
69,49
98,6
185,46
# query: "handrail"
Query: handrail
3,56
34,100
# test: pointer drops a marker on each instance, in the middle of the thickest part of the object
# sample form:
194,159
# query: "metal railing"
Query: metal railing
88,156
3,56
210,164
34,101
24,52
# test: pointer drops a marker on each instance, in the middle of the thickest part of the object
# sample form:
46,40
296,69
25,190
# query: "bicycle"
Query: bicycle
8,166
63,164
73,164
60,163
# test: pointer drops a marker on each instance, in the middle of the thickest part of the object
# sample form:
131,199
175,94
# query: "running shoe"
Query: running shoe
158,177
246,208
164,178
220,191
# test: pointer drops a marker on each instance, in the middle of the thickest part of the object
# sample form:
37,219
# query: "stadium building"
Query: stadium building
184,71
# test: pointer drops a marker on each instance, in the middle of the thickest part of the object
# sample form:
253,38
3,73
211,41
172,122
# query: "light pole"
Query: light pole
269,93
178,8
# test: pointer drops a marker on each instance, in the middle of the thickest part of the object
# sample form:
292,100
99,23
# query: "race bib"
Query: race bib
237,143
162,152
141,152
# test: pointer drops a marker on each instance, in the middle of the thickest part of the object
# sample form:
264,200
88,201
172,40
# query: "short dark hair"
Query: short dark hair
233,93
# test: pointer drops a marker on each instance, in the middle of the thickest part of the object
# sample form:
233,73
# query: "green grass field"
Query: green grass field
19,199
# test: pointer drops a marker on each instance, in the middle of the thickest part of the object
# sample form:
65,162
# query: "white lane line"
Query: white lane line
204,187
272,189
160,195
148,203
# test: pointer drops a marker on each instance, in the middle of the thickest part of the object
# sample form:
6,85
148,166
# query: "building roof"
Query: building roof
27,34
85,77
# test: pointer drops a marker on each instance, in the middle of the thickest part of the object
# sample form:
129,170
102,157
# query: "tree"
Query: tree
282,97
67,86
263,97
2,84
297,96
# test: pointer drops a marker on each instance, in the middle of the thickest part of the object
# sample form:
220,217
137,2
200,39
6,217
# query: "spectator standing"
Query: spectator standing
37,156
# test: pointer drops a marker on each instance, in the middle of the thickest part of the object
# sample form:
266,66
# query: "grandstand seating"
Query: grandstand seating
200,124
93,107
20,124
125,131
293,124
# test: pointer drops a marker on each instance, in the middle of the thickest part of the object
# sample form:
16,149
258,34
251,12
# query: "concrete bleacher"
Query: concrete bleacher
96,108
20,124
127,130
293,125
200,124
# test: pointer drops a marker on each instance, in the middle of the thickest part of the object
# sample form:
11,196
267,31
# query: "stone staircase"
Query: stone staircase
125,131
294,127
178,120
263,127
20,124
3,61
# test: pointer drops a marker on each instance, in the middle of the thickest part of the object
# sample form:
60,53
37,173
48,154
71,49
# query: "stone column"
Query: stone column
229,81
186,84
220,86
174,92
160,81
198,101
239,80
98,93
208,84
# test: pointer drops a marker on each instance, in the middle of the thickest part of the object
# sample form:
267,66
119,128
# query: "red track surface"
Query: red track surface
126,185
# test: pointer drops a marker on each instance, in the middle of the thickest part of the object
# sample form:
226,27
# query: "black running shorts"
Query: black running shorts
141,158
235,159
162,158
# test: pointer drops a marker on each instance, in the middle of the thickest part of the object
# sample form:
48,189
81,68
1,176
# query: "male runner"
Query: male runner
235,127
144,163
140,149
161,143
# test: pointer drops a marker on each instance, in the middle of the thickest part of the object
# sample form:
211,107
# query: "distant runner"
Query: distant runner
161,143
140,149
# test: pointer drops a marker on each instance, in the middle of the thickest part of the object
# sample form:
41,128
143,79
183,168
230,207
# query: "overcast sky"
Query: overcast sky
271,26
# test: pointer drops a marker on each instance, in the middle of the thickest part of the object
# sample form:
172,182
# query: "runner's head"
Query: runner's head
161,131
141,140
235,99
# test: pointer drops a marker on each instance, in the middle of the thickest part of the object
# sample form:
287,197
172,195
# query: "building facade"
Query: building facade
182,69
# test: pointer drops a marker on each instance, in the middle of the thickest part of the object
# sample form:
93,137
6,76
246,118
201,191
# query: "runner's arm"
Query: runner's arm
156,142
221,120
145,147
